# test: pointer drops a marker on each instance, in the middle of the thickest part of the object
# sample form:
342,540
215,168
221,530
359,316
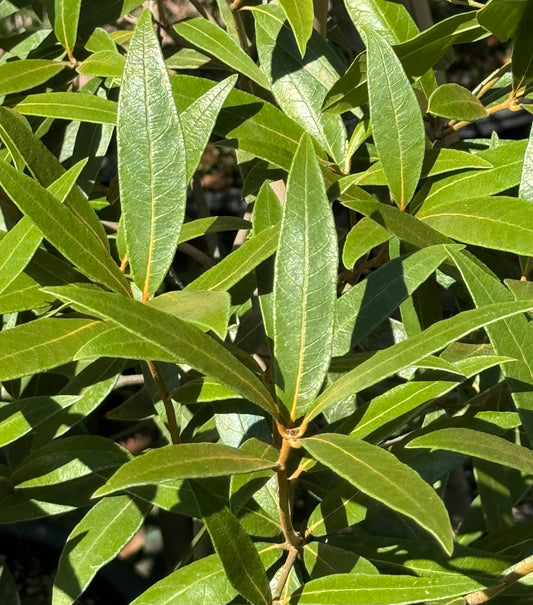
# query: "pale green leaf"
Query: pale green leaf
66,17
183,461
403,354
456,102
104,63
479,445
67,459
397,125
181,340
217,43
100,40
69,106
526,182
390,20
300,14
17,76
304,285
382,476
43,344
151,161
62,228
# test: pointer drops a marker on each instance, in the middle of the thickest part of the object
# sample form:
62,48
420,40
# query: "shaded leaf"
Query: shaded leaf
502,18
382,476
183,461
522,57
211,224
151,161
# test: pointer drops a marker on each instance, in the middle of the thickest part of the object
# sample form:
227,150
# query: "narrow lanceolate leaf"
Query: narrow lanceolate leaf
43,344
105,63
370,589
66,17
184,461
300,14
151,160
404,354
62,228
396,119
478,445
199,119
181,340
502,223
213,40
69,106
236,550
382,476
95,541
304,285
456,102
17,76
239,263
390,20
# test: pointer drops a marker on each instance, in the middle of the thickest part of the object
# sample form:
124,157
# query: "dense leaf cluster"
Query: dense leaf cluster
367,337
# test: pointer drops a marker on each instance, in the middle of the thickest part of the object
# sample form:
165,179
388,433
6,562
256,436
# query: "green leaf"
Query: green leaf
66,17
300,14
183,461
67,459
364,236
62,228
254,124
364,306
232,268
403,354
214,41
322,559
502,18
45,167
211,224
523,53
96,540
390,20
526,182
304,285
382,476
104,63
42,344
507,160
21,242
151,161
100,40
457,103
69,106
198,121
207,309
17,76
479,445
8,585
397,125
179,339
239,556
501,222
301,87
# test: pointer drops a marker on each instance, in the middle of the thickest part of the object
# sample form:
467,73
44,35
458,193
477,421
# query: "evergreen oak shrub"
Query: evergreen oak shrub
318,384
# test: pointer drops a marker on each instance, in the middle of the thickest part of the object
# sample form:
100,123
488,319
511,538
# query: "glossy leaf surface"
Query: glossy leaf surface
17,76
70,106
300,14
66,16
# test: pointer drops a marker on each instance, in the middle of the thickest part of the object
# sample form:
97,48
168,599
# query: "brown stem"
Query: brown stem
239,25
490,80
284,575
521,570
284,493
167,402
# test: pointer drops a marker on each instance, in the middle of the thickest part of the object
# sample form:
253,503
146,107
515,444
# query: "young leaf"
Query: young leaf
213,40
69,106
62,229
387,362
66,17
151,160
479,445
382,476
370,589
183,341
236,550
304,285
183,461
43,344
300,14
96,540
17,76
397,125
456,102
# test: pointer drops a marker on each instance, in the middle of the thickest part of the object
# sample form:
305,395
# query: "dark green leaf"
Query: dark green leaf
523,53
502,18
